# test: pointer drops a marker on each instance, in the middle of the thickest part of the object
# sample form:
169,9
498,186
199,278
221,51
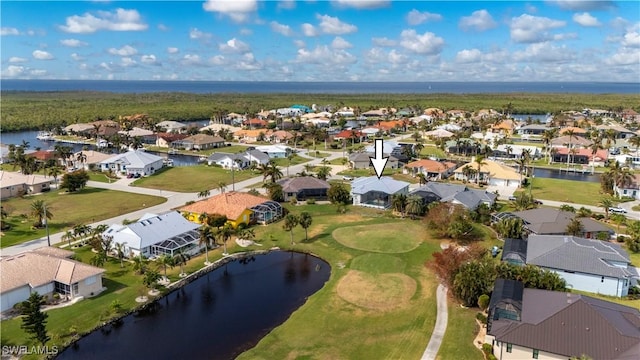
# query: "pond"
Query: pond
217,316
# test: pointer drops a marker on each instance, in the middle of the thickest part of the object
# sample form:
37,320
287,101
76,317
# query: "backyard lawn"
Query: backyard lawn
191,178
69,210
571,191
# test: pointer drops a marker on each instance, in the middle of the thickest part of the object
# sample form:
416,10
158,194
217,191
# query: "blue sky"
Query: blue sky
341,40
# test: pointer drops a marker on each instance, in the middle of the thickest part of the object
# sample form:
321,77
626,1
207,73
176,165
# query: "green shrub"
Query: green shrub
481,317
311,201
483,302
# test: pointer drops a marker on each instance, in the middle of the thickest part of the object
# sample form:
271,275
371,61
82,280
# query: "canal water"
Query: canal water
218,316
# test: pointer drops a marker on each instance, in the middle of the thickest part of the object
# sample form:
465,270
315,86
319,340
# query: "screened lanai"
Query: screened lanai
185,242
266,212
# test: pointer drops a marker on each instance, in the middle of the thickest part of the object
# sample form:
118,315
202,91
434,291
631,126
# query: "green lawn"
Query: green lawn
191,178
375,238
297,159
428,151
461,330
226,149
337,161
101,177
367,172
69,210
578,192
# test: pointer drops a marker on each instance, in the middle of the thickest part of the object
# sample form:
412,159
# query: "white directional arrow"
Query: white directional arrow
378,161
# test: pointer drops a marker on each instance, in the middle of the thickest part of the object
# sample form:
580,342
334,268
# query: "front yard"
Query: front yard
192,178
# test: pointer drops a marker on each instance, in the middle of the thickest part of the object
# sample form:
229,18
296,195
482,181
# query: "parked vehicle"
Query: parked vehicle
617,210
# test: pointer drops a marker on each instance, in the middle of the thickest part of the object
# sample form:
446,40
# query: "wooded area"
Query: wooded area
47,110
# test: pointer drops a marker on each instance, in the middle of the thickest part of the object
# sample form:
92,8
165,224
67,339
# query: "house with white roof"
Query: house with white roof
275,151
512,151
171,126
133,162
155,235
238,161
17,184
376,193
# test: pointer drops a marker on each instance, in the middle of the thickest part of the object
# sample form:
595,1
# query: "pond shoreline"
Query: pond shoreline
171,288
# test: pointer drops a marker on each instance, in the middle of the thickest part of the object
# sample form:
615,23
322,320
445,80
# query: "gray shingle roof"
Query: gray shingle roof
301,183
134,159
470,198
554,222
572,325
579,255
385,184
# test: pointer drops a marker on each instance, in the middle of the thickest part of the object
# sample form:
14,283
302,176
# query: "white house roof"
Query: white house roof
387,147
168,124
151,229
517,150
136,131
385,184
133,159
273,148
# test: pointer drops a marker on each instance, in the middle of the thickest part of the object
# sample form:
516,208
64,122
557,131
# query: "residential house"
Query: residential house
388,148
504,127
199,142
512,151
620,131
580,156
577,142
376,192
133,162
280,136
303,188
250,136
391,126
171,126
87,159
532,131
166,139
275,151
350,135
361,160
14,184
238,207
154,235
449,127
491,173
46,271
255,123
290,112
431,169
136,131
542,324
42,156
630,190
550,221
438,134
576,131
455,194
587,265
238,161
80,129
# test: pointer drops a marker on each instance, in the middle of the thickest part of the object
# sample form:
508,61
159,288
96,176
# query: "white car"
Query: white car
617,210
347,178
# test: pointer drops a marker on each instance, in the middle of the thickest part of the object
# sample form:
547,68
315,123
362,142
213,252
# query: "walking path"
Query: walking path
442,317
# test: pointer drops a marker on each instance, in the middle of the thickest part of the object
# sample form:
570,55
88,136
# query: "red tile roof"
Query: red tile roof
230,204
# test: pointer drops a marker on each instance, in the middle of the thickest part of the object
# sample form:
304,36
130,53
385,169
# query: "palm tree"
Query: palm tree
270,170
547,136
165,261
635,141
571,134
479,161
415,205
575,227
40,212
610,137
605,203
204,193
323,172
422,178
54,172
224,234
206,237
68,236
140,263
247,234
399,203
467,172
222,186
305,221
181,259
290,222
119,249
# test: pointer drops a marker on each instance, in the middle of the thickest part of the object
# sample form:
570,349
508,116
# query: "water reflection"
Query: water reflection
217,316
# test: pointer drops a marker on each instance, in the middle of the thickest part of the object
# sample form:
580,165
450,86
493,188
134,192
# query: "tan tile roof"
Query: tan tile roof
576,130
230,204
36,269
251,133
53,251
431,165
201,139
8,178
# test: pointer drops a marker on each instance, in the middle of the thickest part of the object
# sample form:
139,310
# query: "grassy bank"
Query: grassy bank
192,178
34,110
69,210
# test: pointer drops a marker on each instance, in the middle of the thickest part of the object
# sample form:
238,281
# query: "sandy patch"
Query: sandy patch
376,292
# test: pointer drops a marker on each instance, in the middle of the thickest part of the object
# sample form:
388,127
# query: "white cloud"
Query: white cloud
299,43
119,20
196,34
479,20
13,71
4,31
585,19
340,43
76,57
126,50
362,4
287,4
173,50
333,25
73,43
544,52
384,42
237,10
105,66
531,29
163,27
248,63
425,44
624,56
191,59
631,39
15,59
127,62
281,28
415,17
246,31
149,59
234,46
42,55
309,30
218,60
324,55
583,5
397,58
468,56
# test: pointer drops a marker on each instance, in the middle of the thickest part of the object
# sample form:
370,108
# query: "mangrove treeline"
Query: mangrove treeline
48,110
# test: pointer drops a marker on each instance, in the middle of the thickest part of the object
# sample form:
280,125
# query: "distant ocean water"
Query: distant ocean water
213,87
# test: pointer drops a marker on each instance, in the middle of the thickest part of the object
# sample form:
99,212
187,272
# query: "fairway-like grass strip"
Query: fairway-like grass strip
377,292
378,264
389,238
